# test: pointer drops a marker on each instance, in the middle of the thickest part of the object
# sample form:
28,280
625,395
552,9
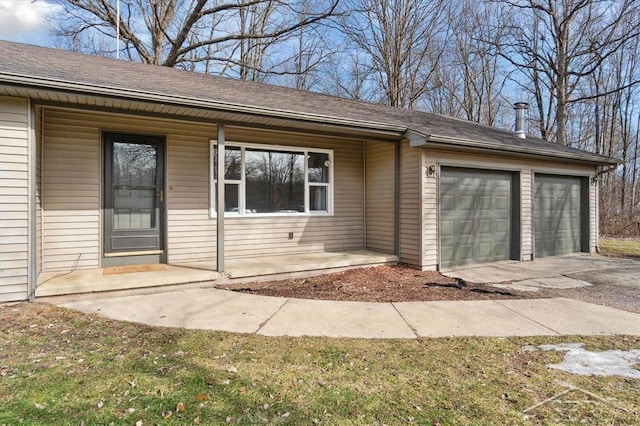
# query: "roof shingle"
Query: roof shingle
33,62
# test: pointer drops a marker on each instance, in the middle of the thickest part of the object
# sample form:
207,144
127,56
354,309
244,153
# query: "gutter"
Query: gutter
604,170
185,101
420,140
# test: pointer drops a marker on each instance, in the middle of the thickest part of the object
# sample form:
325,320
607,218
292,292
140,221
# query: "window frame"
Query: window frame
242,182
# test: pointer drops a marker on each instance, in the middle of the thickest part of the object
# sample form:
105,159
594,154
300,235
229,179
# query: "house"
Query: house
107,163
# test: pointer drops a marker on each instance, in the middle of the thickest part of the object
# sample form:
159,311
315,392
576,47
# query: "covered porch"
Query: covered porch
97,168
237,270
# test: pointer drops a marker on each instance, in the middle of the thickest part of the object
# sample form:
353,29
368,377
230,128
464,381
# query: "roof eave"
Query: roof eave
435,141
88,89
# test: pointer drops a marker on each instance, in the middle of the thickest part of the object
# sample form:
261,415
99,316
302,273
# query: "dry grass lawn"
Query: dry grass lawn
63,367
627,247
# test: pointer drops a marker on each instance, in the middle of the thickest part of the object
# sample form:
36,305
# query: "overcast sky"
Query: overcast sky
25,20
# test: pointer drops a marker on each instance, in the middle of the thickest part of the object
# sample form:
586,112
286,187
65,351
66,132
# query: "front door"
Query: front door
133,199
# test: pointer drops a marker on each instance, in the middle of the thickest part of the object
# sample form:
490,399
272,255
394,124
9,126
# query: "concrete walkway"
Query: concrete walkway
214,309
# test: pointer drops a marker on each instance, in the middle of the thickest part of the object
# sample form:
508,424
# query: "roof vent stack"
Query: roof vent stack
520,108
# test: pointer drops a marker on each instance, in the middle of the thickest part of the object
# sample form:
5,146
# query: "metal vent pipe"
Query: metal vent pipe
520,108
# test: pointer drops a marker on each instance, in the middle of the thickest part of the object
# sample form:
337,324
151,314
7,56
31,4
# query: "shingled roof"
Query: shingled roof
47,68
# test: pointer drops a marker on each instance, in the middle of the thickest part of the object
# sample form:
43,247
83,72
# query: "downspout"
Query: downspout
32,273
596,181
220,200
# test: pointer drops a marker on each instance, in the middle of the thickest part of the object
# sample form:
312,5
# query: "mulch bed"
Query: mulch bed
378,284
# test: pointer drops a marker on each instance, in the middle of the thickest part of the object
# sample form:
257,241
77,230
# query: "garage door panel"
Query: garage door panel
502,226
475,216
464,203
447,203
557,214
483,251
447,228
503,203
483,202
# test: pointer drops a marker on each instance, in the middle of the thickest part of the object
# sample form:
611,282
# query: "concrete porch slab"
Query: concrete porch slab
93,280
272,265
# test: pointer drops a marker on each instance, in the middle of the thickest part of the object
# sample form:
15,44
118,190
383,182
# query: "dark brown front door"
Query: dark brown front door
133,198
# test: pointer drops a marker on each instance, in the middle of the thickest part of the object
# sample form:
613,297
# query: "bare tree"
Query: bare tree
561,42
469,78
404,40
187,32
350,75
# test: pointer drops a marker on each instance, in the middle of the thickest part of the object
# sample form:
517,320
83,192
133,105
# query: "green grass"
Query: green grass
627,247
63,367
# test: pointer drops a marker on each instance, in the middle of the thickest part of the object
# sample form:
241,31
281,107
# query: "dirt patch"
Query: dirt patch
378,284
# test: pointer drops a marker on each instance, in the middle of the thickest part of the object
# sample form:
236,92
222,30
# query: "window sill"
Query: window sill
262,215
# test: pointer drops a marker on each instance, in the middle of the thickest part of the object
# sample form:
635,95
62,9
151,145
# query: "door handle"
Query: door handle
161,195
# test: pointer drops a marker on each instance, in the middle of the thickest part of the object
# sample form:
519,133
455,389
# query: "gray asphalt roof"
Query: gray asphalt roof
39,63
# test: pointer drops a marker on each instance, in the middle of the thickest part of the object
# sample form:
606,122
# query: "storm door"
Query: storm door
133,199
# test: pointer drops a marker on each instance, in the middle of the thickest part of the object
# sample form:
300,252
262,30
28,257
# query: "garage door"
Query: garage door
475,216
557,214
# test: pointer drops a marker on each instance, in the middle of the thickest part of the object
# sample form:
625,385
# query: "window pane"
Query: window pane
232,163
231,197
274,181
231,192
318,199
318,167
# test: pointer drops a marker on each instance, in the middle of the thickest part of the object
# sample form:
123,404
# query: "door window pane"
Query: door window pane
131,212
134,164
274,181
134,185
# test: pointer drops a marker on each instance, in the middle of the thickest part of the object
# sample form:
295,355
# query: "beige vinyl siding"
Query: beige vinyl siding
191,234
380,199
429,215
14,199
70,192
72,177
410,206
72,217
526,214
526,168
260,236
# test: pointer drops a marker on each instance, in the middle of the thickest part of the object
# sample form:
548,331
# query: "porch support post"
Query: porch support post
396,210
220,200
32,270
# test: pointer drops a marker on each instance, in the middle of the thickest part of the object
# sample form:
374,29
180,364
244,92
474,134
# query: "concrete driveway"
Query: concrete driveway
561,272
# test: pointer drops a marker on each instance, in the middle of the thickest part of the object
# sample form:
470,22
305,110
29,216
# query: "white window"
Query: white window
273,180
